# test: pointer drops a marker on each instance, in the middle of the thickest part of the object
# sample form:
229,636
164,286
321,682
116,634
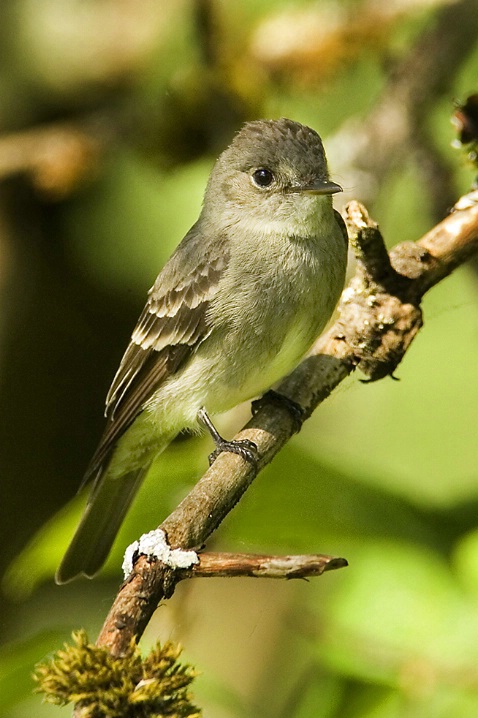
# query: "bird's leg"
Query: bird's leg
296,411
245,448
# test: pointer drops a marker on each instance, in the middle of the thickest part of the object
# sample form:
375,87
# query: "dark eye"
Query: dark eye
262,177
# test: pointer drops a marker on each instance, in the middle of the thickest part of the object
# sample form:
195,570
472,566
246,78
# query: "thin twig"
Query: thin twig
228,565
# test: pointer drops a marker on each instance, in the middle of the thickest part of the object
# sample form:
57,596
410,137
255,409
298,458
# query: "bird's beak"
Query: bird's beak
321,187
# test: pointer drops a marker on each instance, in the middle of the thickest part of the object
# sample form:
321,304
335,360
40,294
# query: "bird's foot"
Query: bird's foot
296,411
245,448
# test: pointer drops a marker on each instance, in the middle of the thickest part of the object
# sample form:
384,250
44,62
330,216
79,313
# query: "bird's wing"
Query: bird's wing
170,328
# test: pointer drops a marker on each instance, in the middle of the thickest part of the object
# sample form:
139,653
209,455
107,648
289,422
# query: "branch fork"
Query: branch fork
379,311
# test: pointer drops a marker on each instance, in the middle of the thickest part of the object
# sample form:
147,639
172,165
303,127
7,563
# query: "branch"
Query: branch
379,315
400,118
228,565
58,156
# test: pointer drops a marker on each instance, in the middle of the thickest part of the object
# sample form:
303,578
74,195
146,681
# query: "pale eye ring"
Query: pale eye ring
262,177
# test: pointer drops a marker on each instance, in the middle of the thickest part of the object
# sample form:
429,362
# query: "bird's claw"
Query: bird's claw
296,411
245,448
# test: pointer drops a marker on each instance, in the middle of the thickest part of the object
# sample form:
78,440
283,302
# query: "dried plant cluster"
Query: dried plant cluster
127,687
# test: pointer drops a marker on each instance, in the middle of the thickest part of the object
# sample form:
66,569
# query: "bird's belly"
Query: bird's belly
220,380
267,369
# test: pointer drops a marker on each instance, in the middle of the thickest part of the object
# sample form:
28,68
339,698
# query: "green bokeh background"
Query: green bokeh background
384,474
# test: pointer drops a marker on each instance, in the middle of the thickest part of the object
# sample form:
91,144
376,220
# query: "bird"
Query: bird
237,305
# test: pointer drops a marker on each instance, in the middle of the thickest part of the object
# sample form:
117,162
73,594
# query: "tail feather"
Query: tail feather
99,525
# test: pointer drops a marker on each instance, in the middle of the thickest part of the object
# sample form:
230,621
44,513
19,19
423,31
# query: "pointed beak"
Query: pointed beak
321,187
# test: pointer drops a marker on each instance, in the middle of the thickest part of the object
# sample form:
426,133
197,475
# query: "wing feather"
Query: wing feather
169,330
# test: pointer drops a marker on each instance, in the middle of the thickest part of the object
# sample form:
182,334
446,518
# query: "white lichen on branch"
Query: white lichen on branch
155,546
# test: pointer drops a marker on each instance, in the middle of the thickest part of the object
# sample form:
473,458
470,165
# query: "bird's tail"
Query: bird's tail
104,513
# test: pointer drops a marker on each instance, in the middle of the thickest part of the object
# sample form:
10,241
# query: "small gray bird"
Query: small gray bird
237,305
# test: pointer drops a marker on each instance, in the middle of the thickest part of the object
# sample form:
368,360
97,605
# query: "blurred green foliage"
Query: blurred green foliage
384,474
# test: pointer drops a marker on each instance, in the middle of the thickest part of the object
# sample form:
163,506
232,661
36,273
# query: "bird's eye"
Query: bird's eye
262,177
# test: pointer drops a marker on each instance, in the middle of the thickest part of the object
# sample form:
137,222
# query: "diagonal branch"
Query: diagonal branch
379,315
